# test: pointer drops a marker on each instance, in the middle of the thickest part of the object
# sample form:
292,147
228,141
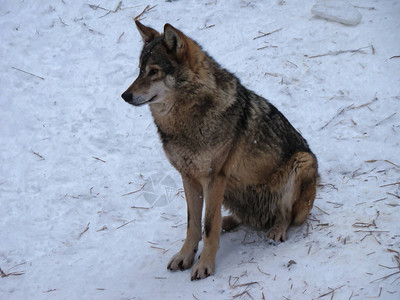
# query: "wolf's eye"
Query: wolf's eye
153,72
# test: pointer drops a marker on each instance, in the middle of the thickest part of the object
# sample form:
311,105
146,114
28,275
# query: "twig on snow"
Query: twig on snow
265,34
292,63
351,296
380,199
369,231
119,39
95,32
37,154
86,229
3,274
331,292
388,161
342,111
263,47
241,294
103,228
95,7
62,22
234,285
322,210
96,158
391,268
372,49
229,280
394,251
134,192
159,248
262,271
334,53
124,224
366,104
27,73
140,207
113,11
323,185
118,6
371,234
389,184
397,196
379,123
271,74
337,205
364,225
364,7
350,107
385,277
396,56
207,26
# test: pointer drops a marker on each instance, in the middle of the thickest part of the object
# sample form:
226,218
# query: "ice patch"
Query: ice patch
337,11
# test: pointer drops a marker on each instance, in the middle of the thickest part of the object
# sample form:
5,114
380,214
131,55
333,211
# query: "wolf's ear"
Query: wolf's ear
147,33
175,40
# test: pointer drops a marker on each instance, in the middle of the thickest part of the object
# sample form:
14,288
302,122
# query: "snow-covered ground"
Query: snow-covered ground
90,208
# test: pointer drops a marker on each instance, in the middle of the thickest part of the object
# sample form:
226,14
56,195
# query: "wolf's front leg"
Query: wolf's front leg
214,192
194,198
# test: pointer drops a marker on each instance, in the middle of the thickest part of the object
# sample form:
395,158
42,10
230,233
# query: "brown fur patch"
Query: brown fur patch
229,223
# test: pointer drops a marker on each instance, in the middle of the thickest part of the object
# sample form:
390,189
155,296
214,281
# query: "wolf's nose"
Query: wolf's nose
127,96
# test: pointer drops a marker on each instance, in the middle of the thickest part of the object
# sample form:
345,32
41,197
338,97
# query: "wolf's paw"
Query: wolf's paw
277,233
181,261
202,269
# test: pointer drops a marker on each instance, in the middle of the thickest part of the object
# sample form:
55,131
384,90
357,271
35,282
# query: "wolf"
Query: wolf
231,146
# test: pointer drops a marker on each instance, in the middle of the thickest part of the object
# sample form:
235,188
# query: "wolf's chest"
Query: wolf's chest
188,160
193,146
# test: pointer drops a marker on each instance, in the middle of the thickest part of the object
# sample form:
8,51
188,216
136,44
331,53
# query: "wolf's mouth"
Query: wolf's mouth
147,102
152,99
139,101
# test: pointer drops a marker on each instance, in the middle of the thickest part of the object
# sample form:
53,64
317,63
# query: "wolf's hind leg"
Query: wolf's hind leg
296,183
308,189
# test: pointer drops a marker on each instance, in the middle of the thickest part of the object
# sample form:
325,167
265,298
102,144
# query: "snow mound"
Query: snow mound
337,11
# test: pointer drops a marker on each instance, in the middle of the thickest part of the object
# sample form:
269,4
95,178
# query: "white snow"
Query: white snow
338,11
90,208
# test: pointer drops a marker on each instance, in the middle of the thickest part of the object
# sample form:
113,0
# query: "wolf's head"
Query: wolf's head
167,60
